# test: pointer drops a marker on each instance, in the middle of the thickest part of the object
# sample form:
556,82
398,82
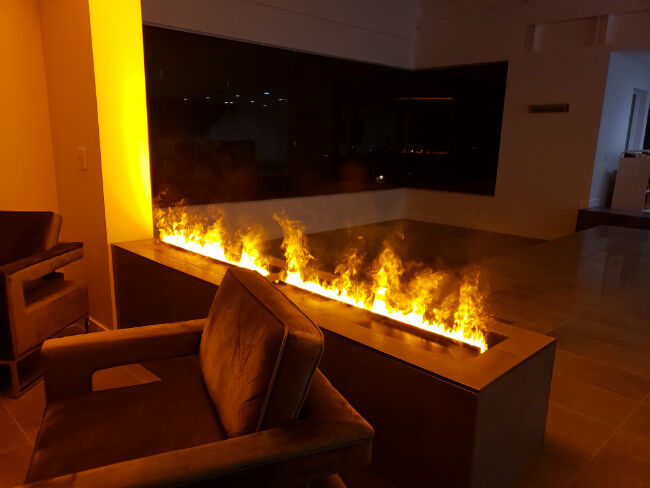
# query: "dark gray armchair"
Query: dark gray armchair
246,406
36,302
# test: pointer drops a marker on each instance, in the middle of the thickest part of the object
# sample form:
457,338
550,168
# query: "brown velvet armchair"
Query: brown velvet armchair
245,404
36,302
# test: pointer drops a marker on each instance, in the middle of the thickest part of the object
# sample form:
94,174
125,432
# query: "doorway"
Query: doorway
636,129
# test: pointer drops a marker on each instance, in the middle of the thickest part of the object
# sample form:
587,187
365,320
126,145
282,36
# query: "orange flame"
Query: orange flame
460,316
416,298
177,227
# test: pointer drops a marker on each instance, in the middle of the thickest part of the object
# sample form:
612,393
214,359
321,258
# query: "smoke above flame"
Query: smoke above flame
409,293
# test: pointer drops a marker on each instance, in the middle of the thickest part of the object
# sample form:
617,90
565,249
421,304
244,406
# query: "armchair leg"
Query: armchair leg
86,324
15,381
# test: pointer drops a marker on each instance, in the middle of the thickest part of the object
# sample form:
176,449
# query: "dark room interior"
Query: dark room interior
325,244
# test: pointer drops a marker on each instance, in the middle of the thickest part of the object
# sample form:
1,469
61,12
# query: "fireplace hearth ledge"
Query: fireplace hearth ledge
443,413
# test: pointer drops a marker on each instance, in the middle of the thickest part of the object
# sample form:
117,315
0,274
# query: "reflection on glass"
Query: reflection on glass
233,121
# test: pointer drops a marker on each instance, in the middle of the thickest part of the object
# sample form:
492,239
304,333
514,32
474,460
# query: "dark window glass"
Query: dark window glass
233,121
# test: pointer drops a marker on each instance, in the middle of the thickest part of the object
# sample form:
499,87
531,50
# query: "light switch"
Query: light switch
81,158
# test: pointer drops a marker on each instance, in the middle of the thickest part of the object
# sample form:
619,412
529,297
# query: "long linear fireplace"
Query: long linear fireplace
421,298
445,413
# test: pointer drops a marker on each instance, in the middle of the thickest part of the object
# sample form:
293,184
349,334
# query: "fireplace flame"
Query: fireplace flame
460,316
417,299
175,226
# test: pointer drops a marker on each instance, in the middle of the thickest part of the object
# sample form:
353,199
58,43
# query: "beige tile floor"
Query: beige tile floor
590,290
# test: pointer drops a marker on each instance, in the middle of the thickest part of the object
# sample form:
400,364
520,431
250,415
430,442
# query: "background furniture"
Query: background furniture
595,216
36,302
232,413
631,185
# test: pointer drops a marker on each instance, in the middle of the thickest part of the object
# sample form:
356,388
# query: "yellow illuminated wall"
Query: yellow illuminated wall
118,57
94,66
68,57
26,161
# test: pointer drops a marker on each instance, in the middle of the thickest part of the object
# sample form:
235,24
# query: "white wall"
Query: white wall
377,31
627,71
558,52
545,159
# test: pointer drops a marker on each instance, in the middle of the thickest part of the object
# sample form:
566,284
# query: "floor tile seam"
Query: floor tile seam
532,308
582,382
635,336
15,420
614,328
614,425
16,447
636,407
4,484
613,434
589,417
561,324
613,365
523,317
580,309
626,349
519,325
609,366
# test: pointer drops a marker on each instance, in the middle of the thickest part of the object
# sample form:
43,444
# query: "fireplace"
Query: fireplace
457,397
413,295
446,412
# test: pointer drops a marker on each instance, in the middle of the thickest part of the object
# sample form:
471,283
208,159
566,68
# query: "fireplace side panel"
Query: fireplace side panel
511,421
146,292
424,426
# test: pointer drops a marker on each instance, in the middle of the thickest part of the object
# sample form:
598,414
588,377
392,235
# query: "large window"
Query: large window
232,121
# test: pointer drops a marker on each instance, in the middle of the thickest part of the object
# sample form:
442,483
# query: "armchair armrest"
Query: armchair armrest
42,263
336,439
69,362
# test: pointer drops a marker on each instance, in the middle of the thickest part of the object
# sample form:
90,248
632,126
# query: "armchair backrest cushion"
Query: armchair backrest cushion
26,233
258,354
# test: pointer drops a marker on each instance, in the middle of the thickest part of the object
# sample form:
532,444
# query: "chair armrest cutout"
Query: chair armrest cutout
69,362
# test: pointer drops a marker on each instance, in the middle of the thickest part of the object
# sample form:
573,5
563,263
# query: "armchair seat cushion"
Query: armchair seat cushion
105,427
